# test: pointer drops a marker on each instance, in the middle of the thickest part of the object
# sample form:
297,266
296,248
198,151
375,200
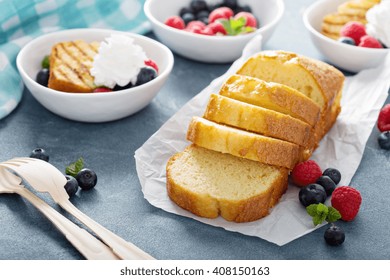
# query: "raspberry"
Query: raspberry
102,89
384,119
220,13
195,23
175,22
305,173
152,64
347,201
217,27
354,30
250,20
207,31
370,42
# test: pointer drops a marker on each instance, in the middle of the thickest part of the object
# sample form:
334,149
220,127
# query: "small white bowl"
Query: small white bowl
92,107
210,49
344,56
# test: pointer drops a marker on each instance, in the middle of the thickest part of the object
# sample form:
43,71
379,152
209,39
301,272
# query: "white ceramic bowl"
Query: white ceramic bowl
210,49
92,107
344,56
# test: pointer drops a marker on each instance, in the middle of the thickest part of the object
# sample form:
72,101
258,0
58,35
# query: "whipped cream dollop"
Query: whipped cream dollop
378,22
117,62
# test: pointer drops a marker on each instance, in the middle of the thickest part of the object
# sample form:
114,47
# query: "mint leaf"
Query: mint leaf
46,62
319,212
75,167
333,215
312,210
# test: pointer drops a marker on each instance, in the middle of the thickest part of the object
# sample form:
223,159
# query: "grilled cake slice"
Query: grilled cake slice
70,64
209,184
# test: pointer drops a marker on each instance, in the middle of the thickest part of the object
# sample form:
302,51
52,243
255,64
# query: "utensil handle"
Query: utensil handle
88,245
121,247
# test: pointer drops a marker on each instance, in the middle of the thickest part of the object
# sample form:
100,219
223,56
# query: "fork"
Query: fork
89,246
44,177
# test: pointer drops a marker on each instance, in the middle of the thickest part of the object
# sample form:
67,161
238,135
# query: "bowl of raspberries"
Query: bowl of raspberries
349,33
212,31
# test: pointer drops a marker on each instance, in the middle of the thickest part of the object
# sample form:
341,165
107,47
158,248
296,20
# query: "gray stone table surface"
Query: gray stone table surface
117,201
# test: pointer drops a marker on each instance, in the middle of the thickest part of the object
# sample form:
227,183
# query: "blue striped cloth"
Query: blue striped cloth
21,21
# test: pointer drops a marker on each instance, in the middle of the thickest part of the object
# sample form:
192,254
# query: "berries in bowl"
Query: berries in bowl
108,102
339,43
212,31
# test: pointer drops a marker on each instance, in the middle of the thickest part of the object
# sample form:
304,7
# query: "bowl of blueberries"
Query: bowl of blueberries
350,47
212,31
94,75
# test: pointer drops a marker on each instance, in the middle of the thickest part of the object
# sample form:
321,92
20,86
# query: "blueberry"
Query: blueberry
198,5
145,75
327,183
347,40
244,8
116,88
43,77
334,235
185,10
384,140
212,7
188,17
312,194
39,153
205,20
202,14
71,185
232,4
333,174
86,178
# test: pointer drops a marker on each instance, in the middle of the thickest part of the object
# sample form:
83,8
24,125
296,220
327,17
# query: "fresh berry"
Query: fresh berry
327,183
334,235
207,31
305,173
195,23
250,19
347,40
347,201
187,17
354,30
86,178
202,14
175,22
312,194
43,77
146,74
334,174
244,8
370,42
152,64
384,119
205,20
232,4
39,153
384,140
198,5
220,13
117,87
217,27
102,89
71,185
185,10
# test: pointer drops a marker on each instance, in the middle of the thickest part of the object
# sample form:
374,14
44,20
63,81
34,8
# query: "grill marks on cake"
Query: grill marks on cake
76,60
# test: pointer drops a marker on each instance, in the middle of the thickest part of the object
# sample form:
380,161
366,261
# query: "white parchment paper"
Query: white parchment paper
363,97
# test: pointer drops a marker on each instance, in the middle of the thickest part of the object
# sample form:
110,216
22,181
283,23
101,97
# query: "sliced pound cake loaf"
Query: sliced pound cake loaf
209,184
241,143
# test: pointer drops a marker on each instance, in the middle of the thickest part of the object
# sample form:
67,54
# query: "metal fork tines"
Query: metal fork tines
44,177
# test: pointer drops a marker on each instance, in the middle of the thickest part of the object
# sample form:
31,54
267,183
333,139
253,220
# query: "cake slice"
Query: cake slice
209,184
272,96
70,64
240,143
257,119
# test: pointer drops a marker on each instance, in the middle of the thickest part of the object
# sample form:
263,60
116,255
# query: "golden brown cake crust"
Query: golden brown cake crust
244,210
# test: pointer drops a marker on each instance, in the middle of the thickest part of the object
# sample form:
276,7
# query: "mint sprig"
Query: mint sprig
46,62
75,167
236,26
320,213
